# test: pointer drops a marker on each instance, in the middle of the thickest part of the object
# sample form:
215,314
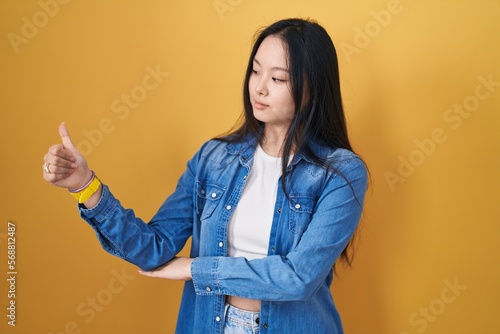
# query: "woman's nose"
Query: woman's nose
261,88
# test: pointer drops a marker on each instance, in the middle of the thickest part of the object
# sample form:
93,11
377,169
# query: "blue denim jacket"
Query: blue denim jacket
308,234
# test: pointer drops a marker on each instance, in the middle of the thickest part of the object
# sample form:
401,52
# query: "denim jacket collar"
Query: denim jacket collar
245,149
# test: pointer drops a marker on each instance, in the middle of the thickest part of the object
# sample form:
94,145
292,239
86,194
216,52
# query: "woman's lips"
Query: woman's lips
259,105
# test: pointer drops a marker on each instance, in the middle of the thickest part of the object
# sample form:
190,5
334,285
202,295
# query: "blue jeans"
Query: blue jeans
238,321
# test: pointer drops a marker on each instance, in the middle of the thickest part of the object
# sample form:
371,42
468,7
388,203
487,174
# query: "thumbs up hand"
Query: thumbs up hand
64,165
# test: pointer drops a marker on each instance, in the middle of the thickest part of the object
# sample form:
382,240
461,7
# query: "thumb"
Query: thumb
65,138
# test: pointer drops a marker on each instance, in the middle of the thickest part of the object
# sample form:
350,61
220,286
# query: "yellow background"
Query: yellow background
404,65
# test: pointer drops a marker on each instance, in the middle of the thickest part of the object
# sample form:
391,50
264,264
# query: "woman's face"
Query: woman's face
269,85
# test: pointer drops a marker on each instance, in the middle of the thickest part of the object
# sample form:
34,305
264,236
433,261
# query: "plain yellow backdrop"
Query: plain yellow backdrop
142,84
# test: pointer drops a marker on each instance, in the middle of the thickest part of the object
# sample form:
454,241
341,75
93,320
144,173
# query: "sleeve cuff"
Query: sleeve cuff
204,275
104,207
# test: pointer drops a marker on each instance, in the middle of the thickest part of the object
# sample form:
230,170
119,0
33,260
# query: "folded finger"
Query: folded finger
54,169
54,178
55,160
59,151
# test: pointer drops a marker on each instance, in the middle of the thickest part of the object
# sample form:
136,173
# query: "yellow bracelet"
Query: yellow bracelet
88,191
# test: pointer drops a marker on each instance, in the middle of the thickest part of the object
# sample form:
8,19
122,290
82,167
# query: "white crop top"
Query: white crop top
250,225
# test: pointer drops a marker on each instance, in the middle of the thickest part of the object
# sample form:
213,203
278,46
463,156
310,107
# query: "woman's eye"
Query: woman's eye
279,80
254,71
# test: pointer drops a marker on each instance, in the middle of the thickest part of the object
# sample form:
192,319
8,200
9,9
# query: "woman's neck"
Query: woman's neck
272,142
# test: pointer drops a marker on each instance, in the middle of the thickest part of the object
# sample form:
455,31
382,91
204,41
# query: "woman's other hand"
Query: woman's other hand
179,268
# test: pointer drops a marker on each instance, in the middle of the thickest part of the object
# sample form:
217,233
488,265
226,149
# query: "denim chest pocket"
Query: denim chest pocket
301,209
208,196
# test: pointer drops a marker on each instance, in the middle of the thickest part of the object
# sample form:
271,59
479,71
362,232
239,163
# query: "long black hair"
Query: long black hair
315,88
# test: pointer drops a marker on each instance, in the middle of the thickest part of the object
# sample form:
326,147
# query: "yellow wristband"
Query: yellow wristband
85,194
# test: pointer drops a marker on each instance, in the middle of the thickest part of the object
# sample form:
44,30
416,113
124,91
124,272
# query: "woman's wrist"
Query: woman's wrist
88,191
94,199
85,183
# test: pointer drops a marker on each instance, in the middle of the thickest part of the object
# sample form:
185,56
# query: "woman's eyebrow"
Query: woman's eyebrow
272,68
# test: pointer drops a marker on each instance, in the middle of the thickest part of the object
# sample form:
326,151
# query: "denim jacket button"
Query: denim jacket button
208,289
214,195
297,206
217,318
228,207
221,244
